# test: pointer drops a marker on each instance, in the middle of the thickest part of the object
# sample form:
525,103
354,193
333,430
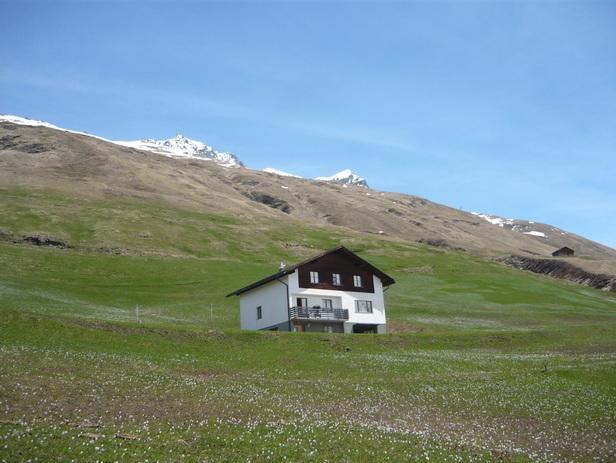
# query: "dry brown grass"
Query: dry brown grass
86,167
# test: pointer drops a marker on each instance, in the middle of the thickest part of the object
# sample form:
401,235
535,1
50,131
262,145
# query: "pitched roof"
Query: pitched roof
386,279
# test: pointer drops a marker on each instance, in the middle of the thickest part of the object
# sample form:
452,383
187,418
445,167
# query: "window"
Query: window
328,304
259,313
336,280
357,281
302,302
314,277
363,306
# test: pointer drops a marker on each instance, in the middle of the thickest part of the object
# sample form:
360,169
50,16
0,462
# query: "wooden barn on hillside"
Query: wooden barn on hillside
563,252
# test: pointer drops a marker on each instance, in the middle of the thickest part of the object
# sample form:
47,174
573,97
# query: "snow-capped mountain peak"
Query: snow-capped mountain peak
183,144
183,147
345,177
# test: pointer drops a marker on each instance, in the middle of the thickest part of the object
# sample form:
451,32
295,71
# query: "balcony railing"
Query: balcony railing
319,313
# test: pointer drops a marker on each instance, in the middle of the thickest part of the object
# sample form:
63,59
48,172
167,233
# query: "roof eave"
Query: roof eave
261,282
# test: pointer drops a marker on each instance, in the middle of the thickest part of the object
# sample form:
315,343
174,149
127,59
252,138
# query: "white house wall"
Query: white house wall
272,298
346,300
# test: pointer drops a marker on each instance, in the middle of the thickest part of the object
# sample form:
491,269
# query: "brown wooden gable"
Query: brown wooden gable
338,260
340,263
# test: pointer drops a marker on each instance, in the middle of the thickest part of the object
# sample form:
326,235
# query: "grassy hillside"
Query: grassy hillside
178,265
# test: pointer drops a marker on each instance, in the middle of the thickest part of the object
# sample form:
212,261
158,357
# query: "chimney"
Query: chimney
282,266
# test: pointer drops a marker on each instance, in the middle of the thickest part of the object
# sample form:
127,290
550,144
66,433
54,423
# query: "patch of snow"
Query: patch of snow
345,177
284,186
271,170
36,123
511,224
535,233
494,220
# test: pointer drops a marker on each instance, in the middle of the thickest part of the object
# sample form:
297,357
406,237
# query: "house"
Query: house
564,251
334,292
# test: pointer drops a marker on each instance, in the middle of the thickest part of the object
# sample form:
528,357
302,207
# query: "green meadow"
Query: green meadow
124,348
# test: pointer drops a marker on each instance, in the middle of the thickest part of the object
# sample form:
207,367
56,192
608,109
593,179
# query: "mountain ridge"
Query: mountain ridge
93,167
184,147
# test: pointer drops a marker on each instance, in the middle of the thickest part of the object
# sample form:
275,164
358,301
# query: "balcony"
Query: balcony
318,313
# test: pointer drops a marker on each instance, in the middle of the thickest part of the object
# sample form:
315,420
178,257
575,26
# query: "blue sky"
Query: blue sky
505,108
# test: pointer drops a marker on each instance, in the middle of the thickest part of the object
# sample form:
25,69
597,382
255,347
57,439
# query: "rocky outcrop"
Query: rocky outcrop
14,142
44,240
268,200
36,239
563,270
438,243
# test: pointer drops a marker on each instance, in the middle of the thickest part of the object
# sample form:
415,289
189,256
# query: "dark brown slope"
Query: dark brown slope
560,268
42,158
